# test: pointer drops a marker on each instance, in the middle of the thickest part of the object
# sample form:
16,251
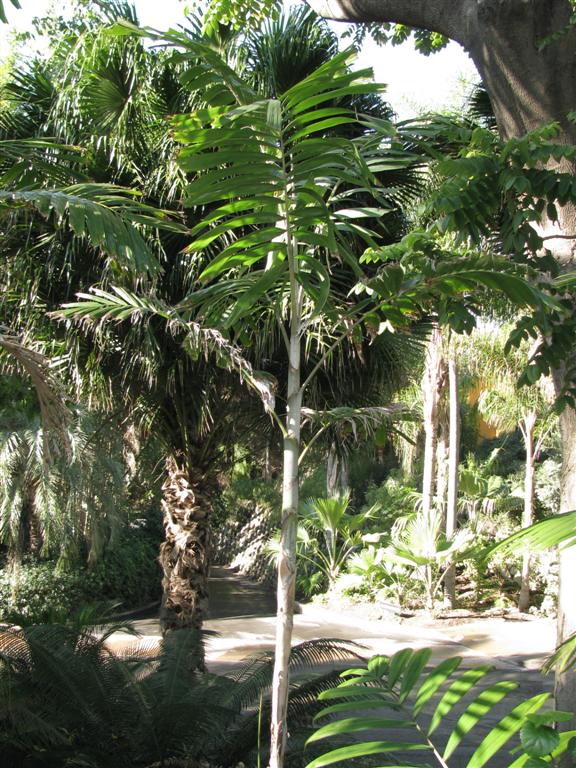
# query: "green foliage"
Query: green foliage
401,702
393,498
243,492
128,574
65,698
558,530
3,18
332,534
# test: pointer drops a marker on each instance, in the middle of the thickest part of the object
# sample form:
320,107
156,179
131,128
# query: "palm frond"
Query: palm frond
55,414
556,531
3,18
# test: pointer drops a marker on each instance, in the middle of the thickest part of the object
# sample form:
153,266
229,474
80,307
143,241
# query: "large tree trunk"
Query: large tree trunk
565,687
529,85
453,464
184,554
287,556
527,428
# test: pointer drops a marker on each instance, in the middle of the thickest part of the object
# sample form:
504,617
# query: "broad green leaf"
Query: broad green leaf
364,750
412,672
476,710
455,693
434,681
354,691
357,725
554,531
379,665
538,740
398,664
504,731
356,706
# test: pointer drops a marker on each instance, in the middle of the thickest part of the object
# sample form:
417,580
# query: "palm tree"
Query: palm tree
507,408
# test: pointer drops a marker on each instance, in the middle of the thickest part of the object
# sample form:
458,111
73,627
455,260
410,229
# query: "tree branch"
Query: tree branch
444,16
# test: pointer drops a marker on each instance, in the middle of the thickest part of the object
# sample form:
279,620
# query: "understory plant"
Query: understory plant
332,534
67,700
419,545
396,709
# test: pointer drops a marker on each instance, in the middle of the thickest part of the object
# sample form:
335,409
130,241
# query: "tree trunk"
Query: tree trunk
453,464
184,554
529,422
565,687
431,385
336,473
287,557
442,449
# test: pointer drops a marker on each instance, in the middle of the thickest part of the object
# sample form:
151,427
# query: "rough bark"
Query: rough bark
184,554
565,687
527,429
336,472
453,463
529,85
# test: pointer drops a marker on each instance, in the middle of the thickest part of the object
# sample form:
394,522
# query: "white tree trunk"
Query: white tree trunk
529,422
287,556
453,463
431,389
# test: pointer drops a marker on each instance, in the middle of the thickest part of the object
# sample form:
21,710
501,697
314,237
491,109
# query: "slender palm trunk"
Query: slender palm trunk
287,557
336,473
453,462
431,387
184,554
527,428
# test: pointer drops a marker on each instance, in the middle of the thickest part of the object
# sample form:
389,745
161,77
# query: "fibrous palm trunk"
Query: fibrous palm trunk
184,554
432,387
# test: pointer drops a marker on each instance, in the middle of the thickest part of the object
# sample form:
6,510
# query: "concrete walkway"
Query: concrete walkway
242,616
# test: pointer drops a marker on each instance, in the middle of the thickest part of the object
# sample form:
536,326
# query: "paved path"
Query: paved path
242,615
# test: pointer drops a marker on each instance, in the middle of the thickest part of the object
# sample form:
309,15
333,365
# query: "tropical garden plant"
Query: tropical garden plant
68,698
400,704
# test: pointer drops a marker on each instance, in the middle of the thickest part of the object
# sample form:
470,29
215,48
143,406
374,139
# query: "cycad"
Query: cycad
66,699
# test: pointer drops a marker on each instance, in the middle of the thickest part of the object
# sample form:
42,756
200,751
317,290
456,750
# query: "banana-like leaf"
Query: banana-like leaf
403,703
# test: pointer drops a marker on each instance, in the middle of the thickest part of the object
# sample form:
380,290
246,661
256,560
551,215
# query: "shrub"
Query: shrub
129,574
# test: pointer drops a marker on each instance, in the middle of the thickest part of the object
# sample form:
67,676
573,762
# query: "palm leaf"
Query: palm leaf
559,530
104,214
405,691
3,18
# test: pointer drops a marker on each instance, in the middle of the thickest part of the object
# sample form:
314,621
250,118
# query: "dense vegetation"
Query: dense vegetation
233,285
